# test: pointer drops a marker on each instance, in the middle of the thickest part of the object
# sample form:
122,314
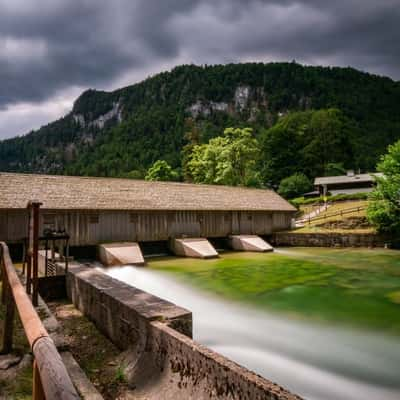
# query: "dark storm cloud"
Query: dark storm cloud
48,46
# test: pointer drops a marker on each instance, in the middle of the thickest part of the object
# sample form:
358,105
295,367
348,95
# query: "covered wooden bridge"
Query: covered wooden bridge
104,210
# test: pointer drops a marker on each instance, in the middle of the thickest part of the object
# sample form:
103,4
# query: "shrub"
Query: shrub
294,185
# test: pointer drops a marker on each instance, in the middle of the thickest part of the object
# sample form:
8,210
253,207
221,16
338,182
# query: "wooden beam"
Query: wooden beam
50,373
54,377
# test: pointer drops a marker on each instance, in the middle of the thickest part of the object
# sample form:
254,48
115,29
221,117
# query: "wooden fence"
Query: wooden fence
334,214
50,377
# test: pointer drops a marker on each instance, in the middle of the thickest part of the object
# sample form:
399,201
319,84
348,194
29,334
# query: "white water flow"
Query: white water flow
316,362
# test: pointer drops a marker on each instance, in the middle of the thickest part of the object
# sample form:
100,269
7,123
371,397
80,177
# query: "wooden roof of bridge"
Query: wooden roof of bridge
88,193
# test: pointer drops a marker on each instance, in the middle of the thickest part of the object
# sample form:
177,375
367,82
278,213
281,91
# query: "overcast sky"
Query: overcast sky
52,50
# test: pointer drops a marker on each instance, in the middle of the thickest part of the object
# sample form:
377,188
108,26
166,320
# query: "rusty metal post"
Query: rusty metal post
35,254
8,323
37,388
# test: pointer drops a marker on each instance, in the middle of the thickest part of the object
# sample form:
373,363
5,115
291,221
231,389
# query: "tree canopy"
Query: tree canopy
161,171
294,186
308,142
384,207
230,159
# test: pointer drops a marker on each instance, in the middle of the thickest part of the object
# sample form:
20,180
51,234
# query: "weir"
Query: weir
120,253
249,243
193,247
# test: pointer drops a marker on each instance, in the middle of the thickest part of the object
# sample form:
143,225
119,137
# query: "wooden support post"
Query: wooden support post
29,253
35,253
37,392
8,323
3,278
23,257
66,256
46,261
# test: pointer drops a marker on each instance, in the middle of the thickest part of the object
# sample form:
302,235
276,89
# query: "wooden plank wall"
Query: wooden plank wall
90,227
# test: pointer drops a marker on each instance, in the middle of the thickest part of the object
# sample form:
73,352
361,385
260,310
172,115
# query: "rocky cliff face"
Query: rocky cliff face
114,113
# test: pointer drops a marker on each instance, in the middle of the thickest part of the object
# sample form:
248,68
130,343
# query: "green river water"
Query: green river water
324,323
357,287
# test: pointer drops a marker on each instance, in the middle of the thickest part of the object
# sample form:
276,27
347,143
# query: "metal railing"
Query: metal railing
50,377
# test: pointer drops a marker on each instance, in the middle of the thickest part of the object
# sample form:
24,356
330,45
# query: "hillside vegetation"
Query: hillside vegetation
304,118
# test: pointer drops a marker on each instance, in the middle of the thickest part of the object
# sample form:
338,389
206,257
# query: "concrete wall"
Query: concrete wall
92,228
327,240
121,312
160,354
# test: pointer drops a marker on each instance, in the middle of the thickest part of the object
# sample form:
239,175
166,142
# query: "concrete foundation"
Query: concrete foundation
329,239
249,243
193,247
120,254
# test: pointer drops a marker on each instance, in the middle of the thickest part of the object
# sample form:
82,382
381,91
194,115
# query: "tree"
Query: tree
161,171
308,142
384,208
334,169
230,159
294,186
192,138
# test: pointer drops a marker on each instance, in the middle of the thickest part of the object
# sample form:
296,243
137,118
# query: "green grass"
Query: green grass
19,388
358,287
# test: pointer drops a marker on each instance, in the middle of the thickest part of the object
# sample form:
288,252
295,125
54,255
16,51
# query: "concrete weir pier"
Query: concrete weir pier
249,243
193,247
120,254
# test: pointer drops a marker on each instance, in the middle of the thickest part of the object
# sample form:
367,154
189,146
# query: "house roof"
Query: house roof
87,193
357,178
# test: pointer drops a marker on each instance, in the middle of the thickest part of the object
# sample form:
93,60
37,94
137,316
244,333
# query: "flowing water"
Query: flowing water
316,361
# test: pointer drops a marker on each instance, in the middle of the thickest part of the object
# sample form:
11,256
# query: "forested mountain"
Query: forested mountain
122,133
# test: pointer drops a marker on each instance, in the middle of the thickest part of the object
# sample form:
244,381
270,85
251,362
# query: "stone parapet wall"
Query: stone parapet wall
184,369
328,239
162,359
120,311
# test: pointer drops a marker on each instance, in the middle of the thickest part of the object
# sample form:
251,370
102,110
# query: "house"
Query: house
103,210
346,184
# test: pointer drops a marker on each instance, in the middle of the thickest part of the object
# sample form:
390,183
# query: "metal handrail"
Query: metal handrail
50,377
